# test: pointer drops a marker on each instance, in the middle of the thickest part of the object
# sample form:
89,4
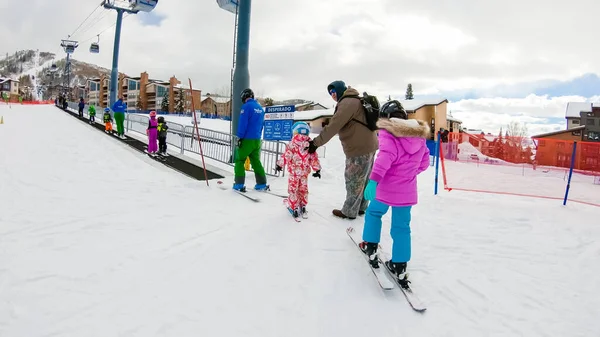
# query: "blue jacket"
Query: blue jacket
81,105
251,121
119,106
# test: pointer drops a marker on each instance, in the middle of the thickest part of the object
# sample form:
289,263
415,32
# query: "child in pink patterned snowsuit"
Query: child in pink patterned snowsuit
299,164
152,133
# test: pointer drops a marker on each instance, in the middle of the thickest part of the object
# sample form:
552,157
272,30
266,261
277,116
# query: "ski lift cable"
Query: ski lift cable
81,24
102,31
94,22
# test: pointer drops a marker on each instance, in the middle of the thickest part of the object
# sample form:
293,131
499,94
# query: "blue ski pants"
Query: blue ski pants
400,230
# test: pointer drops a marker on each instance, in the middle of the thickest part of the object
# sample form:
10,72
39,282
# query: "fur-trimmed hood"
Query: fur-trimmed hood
405,128
409,134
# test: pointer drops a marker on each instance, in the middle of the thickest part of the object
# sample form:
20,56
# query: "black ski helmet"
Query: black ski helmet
247,93
392,109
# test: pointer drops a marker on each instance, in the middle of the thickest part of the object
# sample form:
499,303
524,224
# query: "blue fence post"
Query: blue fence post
437,165
570,172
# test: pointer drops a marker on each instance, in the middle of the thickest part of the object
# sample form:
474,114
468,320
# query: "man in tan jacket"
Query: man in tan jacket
359,144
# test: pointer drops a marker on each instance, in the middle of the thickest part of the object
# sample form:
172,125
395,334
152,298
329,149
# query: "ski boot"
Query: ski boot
262,187
303,212
370,249
398,269
239,187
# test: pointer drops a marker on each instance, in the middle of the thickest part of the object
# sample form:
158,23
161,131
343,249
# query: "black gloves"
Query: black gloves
311,147
278,168
239,142
317,174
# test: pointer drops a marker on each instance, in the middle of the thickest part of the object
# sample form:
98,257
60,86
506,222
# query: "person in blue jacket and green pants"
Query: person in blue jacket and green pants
249,135
119,113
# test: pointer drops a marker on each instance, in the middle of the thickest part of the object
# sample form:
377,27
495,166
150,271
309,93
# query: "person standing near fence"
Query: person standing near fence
119,113
162,135
358,142
81,107
152,133
249,134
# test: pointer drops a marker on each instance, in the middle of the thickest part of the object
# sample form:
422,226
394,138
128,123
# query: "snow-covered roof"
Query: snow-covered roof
574,108
311,115
415,104
218,99
299,105
553,133
452,119
2,80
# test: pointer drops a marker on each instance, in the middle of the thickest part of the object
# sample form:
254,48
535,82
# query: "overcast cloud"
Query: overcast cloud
375,45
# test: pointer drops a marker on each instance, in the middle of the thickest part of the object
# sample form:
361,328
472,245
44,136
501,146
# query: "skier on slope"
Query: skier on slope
119,113
81,106
152,133
299,163
403,155
107,118
249,134
92,113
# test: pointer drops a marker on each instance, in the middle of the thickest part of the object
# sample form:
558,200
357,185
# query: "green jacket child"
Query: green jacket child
92,110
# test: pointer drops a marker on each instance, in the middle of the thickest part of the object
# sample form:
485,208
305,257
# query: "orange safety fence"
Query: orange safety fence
521,166
29,102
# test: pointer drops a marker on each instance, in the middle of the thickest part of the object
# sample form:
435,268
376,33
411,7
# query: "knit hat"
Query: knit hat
338,86
152,113
106,110
301,128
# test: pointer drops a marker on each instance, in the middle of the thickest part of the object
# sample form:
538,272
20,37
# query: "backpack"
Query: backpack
370,106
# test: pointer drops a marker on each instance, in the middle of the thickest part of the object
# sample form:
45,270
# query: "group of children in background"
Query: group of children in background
156,130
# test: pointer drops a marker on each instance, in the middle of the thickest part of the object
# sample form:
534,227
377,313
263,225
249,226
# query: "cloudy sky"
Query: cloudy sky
496,61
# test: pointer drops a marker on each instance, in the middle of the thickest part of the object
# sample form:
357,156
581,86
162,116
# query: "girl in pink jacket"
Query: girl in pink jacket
403,154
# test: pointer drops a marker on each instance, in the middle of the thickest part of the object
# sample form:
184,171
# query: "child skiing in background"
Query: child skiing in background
299,164
92,113
107,121
152,133
403,155
162,135
81,106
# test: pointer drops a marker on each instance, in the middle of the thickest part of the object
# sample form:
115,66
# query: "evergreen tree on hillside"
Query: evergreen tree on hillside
269,101
409,92
164,106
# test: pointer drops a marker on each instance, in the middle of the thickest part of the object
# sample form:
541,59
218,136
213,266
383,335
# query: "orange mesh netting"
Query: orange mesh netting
521,166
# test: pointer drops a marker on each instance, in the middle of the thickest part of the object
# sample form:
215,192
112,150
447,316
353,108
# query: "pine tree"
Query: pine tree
409,92
180,102
499,150
164,106
269,101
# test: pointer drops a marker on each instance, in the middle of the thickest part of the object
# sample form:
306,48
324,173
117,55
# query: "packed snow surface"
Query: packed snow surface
97,239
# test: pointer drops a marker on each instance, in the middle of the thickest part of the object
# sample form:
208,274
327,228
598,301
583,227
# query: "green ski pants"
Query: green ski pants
119,118
250,148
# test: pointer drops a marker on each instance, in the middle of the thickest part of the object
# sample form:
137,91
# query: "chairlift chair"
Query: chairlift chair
95,46
53,68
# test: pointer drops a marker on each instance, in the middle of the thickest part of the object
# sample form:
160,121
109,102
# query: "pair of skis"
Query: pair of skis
383,279
304,215
246,194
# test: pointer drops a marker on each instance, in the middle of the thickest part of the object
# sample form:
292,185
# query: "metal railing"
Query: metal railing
216,145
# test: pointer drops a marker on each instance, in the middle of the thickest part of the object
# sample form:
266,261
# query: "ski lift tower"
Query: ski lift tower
69,46
241,73
123,6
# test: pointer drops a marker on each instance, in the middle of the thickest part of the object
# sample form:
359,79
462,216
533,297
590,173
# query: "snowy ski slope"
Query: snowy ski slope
97,239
